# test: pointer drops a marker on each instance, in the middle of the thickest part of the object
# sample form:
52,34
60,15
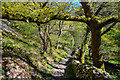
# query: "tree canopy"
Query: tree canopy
65,24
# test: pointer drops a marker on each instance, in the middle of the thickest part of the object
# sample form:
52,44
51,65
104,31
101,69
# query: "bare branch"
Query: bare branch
109,28
111,20
100,8
44,4
87,9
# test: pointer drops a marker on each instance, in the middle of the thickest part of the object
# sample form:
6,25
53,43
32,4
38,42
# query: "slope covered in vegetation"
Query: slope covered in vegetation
37,37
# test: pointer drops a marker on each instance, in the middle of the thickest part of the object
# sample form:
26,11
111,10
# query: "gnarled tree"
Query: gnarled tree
93,16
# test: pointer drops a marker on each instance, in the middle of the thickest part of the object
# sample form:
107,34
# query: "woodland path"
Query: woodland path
59,70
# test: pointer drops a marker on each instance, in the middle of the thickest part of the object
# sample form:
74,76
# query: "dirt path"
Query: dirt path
59,70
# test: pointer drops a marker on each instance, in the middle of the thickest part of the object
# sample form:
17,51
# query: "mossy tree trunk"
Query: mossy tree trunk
42,36
82,58
96,45
81,53
84,47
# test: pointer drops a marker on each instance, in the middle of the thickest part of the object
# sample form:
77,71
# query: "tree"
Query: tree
84,46
60,32
92,18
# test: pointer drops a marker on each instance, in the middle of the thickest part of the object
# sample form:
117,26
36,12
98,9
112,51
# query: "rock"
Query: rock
87,72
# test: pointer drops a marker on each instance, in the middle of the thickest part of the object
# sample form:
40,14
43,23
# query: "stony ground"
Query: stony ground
59,70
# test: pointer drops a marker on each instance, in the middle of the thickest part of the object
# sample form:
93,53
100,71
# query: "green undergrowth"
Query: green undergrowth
28,48
110,67
39,60
88,58
114,68
113,65
115,62
114,72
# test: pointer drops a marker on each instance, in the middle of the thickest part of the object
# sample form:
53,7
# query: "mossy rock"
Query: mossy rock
86,72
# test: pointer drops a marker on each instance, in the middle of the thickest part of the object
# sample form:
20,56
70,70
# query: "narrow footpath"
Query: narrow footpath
59,70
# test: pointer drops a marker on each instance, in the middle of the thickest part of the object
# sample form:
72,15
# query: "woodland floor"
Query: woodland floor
59,70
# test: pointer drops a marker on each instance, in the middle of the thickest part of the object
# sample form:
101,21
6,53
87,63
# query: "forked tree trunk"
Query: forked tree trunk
96,46
82,53
42,36
84,47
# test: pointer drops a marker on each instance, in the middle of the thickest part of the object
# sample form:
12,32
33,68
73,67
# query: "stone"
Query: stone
83,71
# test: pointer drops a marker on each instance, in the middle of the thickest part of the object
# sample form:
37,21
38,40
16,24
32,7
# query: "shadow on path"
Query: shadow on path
60,69
28,61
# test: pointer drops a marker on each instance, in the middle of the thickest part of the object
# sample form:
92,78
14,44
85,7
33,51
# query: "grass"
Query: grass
115,61
114,72
27,46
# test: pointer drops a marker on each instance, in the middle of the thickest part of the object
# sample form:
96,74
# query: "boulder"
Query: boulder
86,72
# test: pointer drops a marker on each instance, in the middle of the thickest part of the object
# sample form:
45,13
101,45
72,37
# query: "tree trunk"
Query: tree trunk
84,47
82,58
44,47
60,32
42,36
82,53
96,47
50,40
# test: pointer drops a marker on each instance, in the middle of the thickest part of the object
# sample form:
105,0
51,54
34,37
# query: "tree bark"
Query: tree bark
84,47
82,57
42,36
96,46
50,40
60,32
